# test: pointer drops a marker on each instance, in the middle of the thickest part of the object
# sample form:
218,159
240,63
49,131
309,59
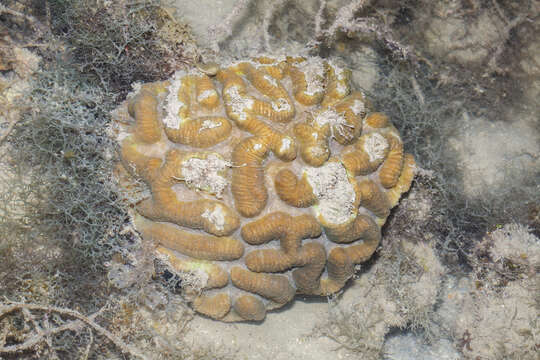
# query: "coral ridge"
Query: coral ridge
231,202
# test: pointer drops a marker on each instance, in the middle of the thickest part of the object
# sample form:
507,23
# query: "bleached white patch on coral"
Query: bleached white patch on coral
206,174
313,69
206,94
209,124
342,89
337,122
271,80
318,151
216,216
335,193
331,117
281,105
285,144
375,146
238,102
338,70
257,146
358,107
173,105
315,135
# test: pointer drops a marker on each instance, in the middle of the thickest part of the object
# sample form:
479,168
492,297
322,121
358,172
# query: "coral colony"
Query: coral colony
268,177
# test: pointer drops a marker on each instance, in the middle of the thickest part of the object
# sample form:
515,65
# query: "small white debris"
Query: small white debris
358,107
257,146
313,69
375,145
335,193
238,102
173,105
205,174
216,217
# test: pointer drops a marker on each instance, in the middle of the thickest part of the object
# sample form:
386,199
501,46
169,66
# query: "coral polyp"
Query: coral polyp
267,178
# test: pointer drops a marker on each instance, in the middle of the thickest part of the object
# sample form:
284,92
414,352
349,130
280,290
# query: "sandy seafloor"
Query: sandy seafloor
289,334
485,147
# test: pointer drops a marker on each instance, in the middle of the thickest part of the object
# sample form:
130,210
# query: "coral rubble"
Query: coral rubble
233,203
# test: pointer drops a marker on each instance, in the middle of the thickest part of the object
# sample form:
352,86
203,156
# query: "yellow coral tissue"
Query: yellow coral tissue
268,179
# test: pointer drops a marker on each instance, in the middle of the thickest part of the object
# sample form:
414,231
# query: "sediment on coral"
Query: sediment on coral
307,176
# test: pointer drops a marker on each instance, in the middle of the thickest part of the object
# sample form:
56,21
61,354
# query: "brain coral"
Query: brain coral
268,177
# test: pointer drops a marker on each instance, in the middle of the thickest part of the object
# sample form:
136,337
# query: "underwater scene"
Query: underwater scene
269,180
